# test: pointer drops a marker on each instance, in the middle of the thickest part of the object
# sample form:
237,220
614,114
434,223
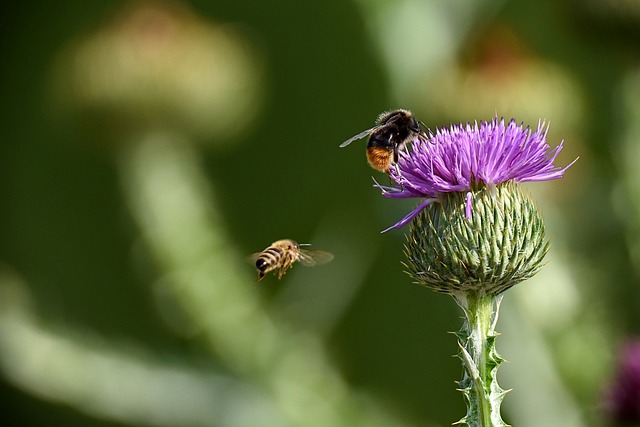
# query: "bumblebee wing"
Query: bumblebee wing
312,258
358,136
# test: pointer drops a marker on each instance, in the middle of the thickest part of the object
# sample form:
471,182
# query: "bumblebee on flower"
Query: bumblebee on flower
474,228
465,157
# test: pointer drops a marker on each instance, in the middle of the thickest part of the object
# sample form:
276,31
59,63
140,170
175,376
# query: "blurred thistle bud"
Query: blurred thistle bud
499,71
474,230
156,65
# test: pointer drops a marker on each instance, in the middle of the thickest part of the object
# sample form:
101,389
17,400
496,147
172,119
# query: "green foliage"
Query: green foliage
101,294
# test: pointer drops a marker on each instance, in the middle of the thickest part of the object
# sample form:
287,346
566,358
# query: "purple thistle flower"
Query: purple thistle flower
484,236
462,158
623,396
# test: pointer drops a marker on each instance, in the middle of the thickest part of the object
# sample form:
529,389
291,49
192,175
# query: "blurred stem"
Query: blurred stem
480,359
173,205
113,380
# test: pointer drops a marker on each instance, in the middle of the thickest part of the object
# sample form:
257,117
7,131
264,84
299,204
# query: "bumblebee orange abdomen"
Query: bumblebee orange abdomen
380,158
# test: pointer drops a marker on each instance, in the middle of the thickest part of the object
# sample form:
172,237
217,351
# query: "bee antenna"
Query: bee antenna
304,244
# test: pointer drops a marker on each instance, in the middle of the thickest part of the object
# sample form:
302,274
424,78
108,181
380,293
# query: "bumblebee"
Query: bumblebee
282,254
391,133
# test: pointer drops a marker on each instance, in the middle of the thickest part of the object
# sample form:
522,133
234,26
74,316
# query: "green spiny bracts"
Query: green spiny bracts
500,245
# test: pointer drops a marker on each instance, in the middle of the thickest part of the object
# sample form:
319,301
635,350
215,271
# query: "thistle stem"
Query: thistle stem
480,359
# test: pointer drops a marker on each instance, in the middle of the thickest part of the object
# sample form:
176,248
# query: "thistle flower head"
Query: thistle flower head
484,234
465,157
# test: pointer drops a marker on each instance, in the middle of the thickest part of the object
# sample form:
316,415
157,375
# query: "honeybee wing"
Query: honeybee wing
358,136
311,258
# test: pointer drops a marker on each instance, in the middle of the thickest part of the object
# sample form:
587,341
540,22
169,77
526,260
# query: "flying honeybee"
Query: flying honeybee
282,254
392,131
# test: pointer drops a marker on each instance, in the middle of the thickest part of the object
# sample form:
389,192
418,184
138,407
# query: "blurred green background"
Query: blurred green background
149,148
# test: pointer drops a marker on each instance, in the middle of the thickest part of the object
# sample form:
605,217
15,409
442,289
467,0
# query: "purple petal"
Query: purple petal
404,221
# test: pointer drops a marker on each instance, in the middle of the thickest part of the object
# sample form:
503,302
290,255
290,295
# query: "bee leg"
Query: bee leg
398,173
